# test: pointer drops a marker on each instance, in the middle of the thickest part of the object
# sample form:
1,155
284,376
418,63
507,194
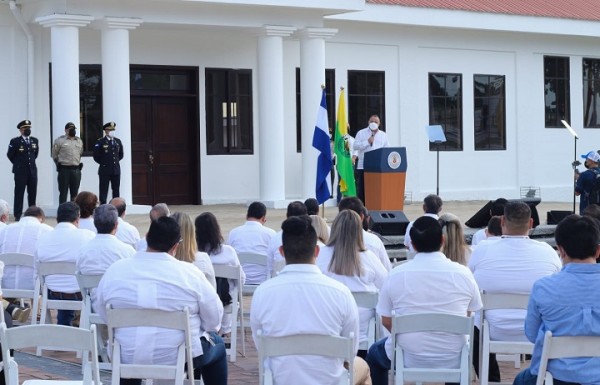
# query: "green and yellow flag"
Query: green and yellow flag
343,151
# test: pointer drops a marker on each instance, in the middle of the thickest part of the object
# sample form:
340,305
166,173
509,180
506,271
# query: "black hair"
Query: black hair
299,239
517,213
426,235
352,203
432,204
312,206
67,212
34,211
494,226
592,210
163,234
498,206
256,210
578,235
208,233
295,209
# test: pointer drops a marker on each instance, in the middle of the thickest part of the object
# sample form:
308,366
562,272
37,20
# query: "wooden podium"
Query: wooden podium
385,178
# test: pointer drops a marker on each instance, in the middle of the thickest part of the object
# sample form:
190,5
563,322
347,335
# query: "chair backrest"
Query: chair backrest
566,347
87,282
236,308
305,344
368,300
57,337
17,259
177,320
50,268
45,269
495,301
432,322
255,259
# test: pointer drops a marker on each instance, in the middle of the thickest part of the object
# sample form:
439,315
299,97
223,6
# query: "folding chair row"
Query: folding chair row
236,308
24,261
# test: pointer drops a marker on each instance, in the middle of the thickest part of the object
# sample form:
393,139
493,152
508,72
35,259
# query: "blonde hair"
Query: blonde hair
320,227
187,248
455,247
347,240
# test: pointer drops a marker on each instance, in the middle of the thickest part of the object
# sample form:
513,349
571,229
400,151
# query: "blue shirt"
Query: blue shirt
566,303
584,185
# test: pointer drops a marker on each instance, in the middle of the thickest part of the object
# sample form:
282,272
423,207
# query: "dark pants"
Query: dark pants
24,180
64,317
115,183
494,369
69,178
210,366
359,175
526,378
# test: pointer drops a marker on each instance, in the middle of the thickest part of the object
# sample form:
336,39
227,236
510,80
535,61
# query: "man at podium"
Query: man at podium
368,139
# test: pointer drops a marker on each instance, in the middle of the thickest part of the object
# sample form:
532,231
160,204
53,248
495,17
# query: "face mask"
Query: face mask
586,164
109,134
27,132
373,126
72,132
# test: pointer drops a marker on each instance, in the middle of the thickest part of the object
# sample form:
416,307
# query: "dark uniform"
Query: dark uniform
22,152
108,151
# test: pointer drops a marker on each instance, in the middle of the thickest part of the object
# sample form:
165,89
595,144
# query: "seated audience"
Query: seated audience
157,211
455,247
321,228
432,205
497,209
294,209
87,202
312,206
126,232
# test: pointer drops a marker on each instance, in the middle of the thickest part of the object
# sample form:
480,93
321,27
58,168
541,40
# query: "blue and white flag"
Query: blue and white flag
321,142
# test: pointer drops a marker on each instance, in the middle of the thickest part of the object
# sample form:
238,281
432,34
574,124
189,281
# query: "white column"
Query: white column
312,77
116,89
270,114
64,38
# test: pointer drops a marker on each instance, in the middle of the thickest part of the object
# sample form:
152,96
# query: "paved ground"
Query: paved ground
57,365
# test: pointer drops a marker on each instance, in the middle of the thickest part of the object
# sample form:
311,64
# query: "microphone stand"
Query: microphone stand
575,161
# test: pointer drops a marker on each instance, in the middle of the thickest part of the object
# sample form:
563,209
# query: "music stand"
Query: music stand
575,161
436,136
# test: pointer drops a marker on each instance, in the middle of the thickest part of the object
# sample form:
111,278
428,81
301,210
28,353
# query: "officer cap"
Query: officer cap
24,124
110,126
69,126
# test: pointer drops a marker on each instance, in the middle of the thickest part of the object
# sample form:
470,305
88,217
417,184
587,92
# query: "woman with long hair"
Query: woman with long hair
187,250
87,202
210,240
347,260
321,228
455,247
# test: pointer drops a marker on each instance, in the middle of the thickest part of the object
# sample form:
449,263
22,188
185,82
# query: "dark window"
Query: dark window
591,93
228,111
90,105
445,109
329,96
150,79
556,90
490,112
366,97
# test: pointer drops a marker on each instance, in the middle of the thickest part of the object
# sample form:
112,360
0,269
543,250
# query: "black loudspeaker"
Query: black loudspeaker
532,203
555,216
388,222
481,217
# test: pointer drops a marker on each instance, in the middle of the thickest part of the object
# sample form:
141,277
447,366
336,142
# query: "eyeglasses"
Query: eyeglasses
180,240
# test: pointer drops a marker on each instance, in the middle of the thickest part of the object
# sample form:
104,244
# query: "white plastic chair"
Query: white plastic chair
368,300
496,301
45,269
57,337
305,344
235,309
23,260
177,320
86,284
565,347
432,322
254,259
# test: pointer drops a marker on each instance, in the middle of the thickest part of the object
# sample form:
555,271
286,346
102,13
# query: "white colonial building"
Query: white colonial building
207,94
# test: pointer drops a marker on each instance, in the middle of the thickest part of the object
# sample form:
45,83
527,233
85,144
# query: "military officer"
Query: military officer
108,151
66,152
22,152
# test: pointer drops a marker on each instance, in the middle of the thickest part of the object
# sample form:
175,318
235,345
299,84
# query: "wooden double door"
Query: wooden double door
164,149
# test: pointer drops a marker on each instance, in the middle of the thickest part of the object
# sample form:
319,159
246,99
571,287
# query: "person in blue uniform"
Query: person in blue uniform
22,152
108,151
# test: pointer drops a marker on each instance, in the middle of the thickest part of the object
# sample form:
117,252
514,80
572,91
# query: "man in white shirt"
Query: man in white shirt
432,205
301,300
294,209
126,232
252,237
4,213
368,139
510,264
429,283
372,241
496,209
63,244
157,211
154,279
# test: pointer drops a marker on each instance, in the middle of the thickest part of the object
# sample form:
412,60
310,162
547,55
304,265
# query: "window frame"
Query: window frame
501,105
362,102
458,99
555,122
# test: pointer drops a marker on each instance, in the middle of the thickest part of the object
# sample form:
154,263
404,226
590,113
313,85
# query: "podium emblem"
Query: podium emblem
394,160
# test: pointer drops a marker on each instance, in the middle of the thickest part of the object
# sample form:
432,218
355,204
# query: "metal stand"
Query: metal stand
575,164
437,185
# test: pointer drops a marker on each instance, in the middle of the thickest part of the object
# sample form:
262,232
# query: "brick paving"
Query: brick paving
63,365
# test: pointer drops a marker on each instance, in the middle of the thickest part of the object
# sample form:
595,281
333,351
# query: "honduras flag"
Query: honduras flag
321,142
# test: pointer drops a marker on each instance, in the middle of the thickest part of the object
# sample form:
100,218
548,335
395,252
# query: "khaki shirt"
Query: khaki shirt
67,151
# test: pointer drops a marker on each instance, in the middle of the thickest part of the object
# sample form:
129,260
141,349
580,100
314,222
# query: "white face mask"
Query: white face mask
373,126
109,134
